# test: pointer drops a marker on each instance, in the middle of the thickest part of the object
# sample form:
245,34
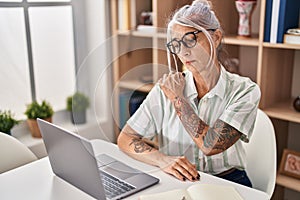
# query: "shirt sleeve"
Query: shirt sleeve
241,111
147,120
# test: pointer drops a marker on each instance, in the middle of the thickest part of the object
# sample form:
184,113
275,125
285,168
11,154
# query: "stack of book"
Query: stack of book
292,36
281,15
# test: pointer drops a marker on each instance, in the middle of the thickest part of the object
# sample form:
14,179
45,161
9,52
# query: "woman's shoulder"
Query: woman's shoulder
238,79
241,83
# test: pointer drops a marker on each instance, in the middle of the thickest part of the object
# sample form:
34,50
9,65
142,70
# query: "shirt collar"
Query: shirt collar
190,90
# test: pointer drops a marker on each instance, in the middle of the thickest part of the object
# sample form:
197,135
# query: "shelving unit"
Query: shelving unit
270,65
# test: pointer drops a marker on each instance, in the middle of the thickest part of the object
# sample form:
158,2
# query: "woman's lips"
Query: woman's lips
189,62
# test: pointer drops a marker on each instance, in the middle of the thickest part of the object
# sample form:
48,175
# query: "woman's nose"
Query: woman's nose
185,51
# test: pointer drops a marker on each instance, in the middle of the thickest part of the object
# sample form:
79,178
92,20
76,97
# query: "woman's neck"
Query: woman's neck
207,79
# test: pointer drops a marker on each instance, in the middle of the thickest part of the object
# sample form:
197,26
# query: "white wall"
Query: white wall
94,71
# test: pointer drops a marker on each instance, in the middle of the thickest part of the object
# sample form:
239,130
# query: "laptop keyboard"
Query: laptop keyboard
114,186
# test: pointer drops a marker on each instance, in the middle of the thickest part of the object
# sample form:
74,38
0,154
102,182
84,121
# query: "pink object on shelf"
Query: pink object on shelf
245,10
247,0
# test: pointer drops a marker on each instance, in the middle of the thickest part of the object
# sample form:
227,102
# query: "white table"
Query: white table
36,181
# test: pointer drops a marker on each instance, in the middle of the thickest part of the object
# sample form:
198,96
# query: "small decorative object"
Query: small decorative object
146,18
296,104
245,9
77,105
7,121
35,110
290,163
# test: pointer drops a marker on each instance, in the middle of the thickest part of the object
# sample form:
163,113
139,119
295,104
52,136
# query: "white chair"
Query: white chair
261,155
13,153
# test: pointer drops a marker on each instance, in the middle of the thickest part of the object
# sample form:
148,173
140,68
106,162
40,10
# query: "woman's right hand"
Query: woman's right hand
180,167
172,85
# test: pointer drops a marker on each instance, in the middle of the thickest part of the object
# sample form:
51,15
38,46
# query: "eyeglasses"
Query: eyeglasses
189,40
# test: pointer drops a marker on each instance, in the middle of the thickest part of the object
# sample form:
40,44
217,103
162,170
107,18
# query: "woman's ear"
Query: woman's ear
218,35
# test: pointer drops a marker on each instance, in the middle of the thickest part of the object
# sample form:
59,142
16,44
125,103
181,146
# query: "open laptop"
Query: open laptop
103,177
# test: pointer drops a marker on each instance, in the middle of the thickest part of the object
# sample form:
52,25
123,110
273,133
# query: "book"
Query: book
274,21
291,39
197,192
124,97
268,18
288,17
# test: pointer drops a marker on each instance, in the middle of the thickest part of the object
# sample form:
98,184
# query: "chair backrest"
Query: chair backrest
261,155
13,153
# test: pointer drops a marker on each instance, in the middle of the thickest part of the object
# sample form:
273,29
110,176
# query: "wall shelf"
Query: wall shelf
282,46
243,41
284,111
288,182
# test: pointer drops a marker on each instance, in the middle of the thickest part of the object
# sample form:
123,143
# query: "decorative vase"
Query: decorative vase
245,10
296,104
34,128
78,117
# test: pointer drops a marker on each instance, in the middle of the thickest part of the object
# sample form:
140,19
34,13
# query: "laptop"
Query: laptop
72,158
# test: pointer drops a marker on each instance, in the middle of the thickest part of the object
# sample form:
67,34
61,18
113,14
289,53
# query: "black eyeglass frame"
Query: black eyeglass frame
194,33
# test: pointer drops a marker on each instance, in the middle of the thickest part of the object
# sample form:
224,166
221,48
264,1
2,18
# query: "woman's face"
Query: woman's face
197,57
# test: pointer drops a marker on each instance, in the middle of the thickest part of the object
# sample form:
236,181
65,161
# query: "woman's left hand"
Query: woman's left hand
172,85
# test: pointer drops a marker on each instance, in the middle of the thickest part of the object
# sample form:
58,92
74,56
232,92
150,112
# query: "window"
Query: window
37,54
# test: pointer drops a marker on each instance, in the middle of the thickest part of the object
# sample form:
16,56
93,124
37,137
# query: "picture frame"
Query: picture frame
290,163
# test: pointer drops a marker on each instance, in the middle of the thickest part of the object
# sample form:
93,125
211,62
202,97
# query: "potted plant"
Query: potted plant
35,110
77,105
7,121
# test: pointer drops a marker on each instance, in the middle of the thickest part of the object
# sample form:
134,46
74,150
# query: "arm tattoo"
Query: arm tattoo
221,136
140,146
218,138
191,122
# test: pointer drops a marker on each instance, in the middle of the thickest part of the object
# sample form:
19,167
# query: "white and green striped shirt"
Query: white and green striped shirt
233,100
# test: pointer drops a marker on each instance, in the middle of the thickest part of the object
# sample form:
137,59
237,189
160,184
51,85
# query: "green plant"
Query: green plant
78,102
36,110
7,121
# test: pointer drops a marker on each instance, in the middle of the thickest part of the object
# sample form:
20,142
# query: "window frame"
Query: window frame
26,5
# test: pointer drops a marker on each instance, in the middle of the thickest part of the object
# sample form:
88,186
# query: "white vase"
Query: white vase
245,10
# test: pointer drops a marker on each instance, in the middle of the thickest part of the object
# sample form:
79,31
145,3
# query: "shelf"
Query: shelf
281,46
243,41
156,32
136,34
231,39
283,111
136,85
288,182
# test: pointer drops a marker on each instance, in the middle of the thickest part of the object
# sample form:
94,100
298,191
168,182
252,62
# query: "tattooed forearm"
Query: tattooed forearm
221,136
192,123
140,146
211,140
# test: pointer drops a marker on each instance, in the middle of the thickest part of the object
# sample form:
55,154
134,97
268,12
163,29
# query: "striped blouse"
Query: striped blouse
234,100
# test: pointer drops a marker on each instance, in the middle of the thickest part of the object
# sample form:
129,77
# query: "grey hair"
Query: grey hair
198,15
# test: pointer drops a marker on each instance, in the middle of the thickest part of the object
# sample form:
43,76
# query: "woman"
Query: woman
201,116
